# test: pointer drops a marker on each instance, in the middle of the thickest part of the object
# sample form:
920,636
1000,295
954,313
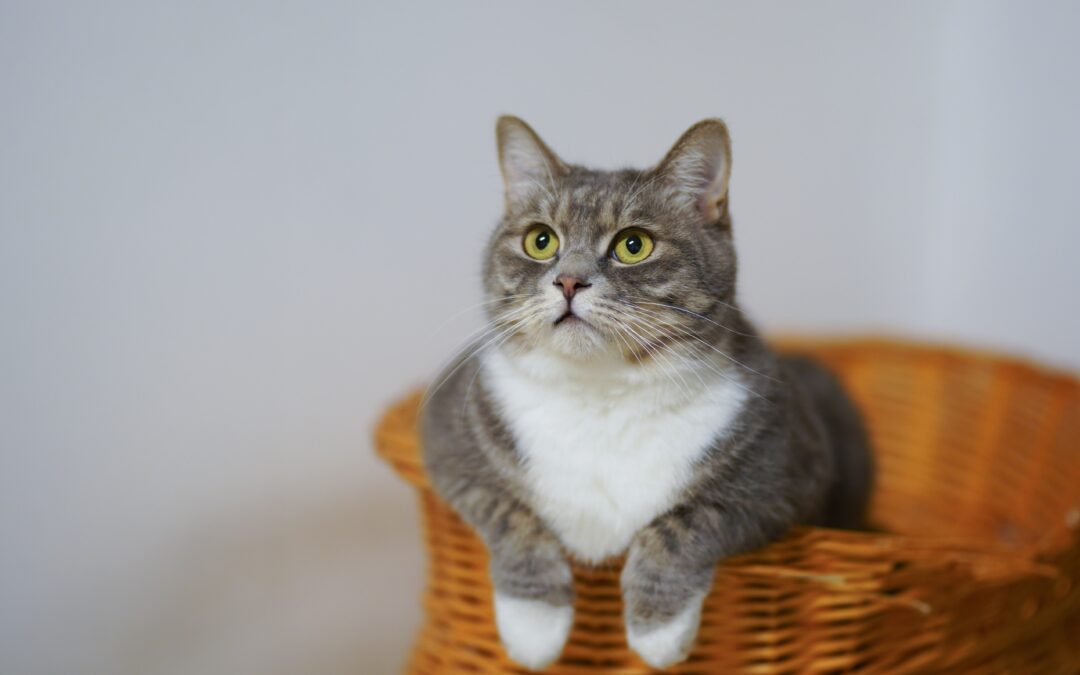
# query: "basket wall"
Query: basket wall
978,491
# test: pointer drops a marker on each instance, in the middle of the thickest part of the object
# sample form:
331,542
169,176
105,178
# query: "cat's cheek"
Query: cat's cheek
533,632
670,642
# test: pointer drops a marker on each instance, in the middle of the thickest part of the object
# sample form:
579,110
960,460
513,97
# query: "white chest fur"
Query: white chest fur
603,457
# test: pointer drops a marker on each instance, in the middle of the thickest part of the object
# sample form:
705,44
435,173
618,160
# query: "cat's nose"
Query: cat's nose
570,284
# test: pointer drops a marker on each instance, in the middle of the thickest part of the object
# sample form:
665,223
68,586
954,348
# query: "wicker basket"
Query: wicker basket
978,491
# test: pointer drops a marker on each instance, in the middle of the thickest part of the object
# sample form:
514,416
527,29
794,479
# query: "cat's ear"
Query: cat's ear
698,166
527,163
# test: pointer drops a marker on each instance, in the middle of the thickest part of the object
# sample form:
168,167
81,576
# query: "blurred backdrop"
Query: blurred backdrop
230,233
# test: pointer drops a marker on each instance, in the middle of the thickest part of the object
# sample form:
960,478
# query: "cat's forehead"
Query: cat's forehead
594,202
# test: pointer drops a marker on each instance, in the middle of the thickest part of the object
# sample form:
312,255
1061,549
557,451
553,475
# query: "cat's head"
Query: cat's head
631,263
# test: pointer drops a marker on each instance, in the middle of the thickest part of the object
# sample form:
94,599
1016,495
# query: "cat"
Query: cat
620,402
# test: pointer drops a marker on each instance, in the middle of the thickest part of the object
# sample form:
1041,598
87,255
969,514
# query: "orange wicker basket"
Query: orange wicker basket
976,567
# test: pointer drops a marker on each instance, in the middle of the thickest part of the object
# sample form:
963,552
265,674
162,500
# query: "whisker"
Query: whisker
655,330
497,325
469,339
629,347
667,366
702,317
468,389
505,298
691,334
701,356
619,333
431,392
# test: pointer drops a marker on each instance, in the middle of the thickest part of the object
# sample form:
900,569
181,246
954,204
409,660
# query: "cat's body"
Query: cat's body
644,443
626,406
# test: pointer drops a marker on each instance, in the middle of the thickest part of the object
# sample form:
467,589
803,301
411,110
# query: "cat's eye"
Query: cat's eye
632,246
540,242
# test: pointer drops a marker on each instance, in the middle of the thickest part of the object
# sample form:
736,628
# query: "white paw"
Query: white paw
532,631
670,642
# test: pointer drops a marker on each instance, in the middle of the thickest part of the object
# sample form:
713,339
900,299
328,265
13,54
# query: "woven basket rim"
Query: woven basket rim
786,341
396,441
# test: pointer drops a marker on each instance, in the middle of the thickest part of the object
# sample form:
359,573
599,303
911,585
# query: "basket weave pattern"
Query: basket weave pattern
977,567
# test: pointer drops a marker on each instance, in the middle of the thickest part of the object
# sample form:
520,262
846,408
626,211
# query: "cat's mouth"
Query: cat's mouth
570,318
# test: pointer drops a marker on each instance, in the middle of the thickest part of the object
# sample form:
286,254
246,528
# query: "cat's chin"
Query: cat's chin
576,339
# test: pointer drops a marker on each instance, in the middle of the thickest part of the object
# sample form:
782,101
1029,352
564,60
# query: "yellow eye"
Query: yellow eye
632,246
541,243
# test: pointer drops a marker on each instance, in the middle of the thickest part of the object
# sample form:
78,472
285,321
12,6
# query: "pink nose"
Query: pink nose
570,285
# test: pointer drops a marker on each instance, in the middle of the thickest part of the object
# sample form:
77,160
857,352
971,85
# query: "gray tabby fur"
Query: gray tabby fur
795,453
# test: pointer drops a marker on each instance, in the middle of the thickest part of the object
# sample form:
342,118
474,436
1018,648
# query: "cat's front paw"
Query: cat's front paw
663,644
532,631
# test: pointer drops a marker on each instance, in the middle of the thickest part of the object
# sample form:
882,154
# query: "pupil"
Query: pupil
542,240
633,244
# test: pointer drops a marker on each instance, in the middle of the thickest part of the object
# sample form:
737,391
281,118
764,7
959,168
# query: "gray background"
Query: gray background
231,232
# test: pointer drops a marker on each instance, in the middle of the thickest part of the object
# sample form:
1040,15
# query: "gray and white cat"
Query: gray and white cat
621,402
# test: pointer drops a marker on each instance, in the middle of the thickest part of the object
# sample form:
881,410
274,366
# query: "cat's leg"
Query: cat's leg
534,587
469,454
468,458
662,596
669,571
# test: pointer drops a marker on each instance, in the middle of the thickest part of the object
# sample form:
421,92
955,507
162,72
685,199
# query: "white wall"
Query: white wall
1004,268
228,234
